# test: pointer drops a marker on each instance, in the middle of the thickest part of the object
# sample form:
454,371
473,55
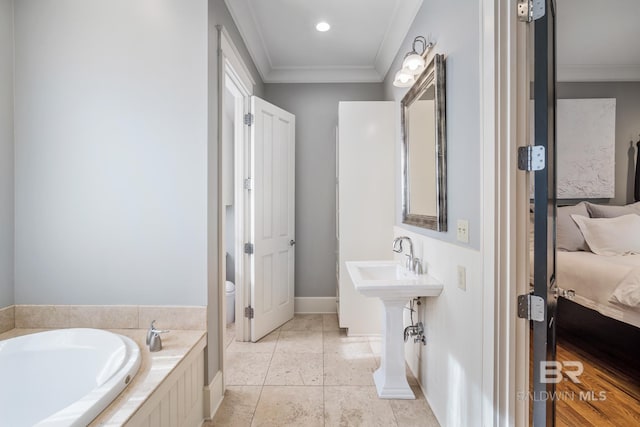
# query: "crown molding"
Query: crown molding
242,14
324,75
403,17
599,73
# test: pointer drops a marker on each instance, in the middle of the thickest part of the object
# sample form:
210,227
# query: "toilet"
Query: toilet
231,302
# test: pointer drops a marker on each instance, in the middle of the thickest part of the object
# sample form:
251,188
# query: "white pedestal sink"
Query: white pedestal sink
395,286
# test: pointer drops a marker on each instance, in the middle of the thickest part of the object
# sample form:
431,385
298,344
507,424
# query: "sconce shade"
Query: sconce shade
414,63
404,78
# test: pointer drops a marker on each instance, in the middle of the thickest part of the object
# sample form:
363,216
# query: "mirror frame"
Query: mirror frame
433,74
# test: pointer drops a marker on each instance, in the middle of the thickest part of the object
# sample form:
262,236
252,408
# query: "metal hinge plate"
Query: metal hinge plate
531,158
248,184
248,119
248,312
248,248
531,307
530,10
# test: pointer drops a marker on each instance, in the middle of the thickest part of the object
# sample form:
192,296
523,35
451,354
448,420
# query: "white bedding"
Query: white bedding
594,278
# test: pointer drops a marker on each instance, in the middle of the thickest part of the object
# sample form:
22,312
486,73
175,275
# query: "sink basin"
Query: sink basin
388,279
395,286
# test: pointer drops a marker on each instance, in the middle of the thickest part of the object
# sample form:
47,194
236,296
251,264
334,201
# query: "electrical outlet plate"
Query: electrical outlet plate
462,278
463,231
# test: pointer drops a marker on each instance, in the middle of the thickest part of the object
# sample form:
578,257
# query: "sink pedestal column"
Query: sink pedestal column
391,377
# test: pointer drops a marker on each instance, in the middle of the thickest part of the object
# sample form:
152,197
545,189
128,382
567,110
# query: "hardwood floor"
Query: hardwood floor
608,394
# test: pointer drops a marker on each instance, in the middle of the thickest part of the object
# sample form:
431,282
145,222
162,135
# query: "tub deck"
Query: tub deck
154,369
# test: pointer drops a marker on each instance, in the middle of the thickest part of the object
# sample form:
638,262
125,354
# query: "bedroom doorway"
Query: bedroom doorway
598,324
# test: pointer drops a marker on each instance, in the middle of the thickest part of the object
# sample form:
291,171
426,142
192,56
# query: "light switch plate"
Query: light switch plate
462,278
463,231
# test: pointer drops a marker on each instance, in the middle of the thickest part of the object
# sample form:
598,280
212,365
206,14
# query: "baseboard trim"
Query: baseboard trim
213,395
315,305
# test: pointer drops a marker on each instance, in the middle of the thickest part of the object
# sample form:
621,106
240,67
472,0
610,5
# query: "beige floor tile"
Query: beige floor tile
356,406
237,407
376,345
295,369
330,322
231,327
289,406
246,368
299,342
304,322
414,413
339,342
265,345
348,370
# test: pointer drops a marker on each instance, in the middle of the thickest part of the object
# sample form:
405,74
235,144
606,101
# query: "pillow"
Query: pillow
628,291
568,235
609,211
611,236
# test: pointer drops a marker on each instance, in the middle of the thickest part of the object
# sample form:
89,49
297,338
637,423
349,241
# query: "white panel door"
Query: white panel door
273,221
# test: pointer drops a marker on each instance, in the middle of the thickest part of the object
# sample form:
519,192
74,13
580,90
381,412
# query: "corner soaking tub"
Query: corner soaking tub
63,377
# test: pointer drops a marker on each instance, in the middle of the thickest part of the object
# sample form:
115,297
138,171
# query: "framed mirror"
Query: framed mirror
424,148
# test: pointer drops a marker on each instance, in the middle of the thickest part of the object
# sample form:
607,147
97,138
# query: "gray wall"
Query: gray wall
111,152
454,27
218,15
627,95
6,153
316,109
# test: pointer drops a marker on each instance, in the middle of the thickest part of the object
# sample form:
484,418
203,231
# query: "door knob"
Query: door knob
292,242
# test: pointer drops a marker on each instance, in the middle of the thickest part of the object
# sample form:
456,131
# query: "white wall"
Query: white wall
454,27
6,154
316,109
111,152
449,367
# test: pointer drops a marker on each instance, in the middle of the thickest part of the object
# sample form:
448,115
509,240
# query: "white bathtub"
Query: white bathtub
64,377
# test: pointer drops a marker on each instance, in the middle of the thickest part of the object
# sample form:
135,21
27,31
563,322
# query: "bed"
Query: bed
592,280
598,276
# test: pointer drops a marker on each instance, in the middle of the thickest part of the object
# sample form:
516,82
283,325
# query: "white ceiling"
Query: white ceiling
598,40
364,39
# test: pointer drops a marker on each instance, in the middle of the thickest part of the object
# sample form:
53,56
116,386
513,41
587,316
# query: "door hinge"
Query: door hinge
531,307
248,119
530,10
248,312
248,184
531,158
248,248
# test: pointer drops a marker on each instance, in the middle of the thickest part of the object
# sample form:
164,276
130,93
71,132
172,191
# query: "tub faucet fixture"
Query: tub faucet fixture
413,264
153,337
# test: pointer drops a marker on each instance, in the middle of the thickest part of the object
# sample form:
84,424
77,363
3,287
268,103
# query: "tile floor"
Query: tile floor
309,373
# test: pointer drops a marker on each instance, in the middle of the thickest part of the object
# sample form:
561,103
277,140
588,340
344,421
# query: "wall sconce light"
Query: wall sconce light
413,64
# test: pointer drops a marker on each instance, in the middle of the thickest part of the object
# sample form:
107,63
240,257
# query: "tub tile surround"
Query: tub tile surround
108,317
154,369
7,318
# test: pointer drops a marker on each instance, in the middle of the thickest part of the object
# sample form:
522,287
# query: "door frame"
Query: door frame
233,74
504,85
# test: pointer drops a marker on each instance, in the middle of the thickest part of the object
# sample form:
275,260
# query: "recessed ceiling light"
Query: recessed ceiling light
323,26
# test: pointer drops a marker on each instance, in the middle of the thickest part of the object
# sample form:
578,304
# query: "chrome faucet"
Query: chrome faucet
413,264
153,337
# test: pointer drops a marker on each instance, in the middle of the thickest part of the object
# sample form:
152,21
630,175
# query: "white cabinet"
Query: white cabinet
365,203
